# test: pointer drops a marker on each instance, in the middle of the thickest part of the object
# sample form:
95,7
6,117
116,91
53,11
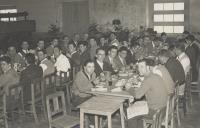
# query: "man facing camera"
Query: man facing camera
100,64
9,76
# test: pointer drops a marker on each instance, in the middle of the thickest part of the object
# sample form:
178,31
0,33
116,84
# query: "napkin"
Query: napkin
99,89
118,89
137,109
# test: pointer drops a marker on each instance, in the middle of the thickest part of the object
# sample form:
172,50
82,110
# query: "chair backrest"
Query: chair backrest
55,106
14,97
169,109
65,77
49,83
3,117
158,118
36,90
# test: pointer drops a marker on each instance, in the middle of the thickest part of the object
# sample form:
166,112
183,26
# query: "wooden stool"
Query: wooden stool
102,106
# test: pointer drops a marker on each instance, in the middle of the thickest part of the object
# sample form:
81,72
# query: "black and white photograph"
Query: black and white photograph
99,63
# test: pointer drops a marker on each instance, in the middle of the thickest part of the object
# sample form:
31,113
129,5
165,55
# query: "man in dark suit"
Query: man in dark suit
192,51
120,60
173,66
112,53
100,64
84,52
130,58
30,73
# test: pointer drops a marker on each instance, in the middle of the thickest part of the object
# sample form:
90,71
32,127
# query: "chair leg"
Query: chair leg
177,113
35,114
122,116
109,121
172,122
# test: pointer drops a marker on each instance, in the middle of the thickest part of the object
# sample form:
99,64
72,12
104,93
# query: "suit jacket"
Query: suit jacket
31,73
49,50
175,69
162,71
9,78
98,69
84,56
130,58
118,64
152,88
47,66
75,59
82,83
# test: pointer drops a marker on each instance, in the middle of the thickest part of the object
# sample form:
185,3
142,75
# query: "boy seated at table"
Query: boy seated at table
84,81
153,90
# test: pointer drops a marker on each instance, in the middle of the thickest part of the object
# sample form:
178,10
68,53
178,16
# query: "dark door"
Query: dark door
75,17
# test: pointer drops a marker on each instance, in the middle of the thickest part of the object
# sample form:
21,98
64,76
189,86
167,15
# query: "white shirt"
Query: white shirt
122,61
62,64
100,64
185,62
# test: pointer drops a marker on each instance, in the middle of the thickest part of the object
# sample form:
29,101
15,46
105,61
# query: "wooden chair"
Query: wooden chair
169,116
14,100
49,83
3,114
56,111
157,119
36,100
65,86
176,105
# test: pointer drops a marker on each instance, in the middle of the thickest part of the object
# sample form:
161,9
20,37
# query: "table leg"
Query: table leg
109,121
81,119
96,121
122,116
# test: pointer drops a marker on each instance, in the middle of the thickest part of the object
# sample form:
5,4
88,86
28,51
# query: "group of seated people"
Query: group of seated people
163,63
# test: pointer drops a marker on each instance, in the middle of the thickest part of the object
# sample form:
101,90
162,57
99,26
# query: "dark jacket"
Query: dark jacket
31,73
106,67
176,70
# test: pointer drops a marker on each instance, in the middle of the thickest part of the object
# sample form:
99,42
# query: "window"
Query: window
169,17
2,11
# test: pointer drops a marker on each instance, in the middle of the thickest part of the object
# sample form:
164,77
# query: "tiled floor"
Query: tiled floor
191,120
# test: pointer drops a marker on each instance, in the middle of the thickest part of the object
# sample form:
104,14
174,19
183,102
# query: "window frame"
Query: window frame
162,12
8,7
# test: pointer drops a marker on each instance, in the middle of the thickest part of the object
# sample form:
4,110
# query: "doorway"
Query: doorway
75,17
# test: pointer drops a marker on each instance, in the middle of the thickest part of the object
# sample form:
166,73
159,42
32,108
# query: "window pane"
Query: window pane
168,6
158,6
158,18
168,18
178,6
168,29
178,17
159,29
4,19
178,29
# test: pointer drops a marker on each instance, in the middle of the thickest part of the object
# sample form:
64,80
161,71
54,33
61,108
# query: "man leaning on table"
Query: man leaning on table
153,90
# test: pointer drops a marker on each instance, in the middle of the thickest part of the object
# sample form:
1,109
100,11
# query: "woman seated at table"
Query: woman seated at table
83,82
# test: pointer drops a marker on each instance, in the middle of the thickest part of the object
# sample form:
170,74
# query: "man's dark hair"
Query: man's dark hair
163,34
72,43
112,47
82,43
30,58
134,45
88,61
164,53
7,59
123,48
190,38
149,62
181,47
98,49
